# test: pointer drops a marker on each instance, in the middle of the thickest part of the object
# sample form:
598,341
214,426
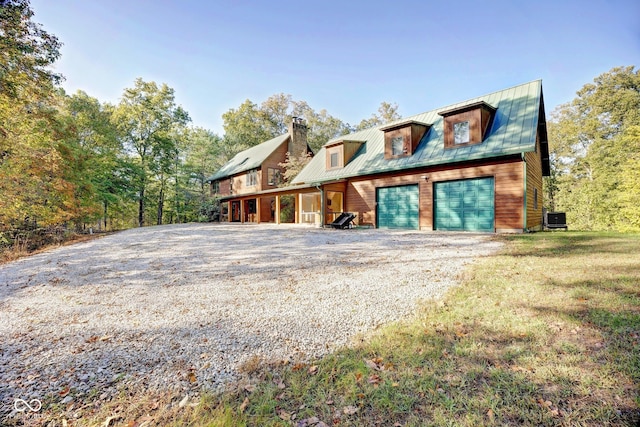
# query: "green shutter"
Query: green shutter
398,207
465,205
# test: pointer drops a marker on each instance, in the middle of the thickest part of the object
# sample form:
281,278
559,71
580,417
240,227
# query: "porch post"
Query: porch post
258,210
277,209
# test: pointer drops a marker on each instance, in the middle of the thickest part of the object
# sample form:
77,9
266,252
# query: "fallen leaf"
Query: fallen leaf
281,385
490,414
313,370
106,337
250,388
376,363
244,405
350,410
184,401
65,391
92,339
375,379
284,415
192,377
107,422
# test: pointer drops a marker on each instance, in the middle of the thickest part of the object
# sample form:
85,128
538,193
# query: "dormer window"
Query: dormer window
339,153
467,124
397,146
334,160
402,139
461,132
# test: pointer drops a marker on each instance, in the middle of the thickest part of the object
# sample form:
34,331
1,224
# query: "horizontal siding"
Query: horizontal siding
534,184
509,192
273,161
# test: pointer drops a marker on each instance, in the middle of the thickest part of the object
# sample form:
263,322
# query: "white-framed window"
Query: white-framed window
461,132
397,146
333,160
252,178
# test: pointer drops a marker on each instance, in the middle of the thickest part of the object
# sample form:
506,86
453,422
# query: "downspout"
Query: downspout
322,202
524,161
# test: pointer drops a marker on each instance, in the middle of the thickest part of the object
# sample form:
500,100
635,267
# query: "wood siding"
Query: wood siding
278,156
509,192
411,133
224,187
335,149
475,128
350,148
534,185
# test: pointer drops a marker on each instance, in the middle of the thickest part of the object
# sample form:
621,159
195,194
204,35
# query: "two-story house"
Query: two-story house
476,165
253,172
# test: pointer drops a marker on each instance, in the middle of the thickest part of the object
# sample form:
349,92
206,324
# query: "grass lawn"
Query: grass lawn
545,333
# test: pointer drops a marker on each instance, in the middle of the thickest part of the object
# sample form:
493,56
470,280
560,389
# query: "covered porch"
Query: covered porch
312,205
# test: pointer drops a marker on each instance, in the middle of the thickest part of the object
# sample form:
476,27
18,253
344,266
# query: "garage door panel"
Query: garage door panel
464,205
398,207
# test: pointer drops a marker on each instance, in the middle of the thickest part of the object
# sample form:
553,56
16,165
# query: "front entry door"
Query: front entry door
235,211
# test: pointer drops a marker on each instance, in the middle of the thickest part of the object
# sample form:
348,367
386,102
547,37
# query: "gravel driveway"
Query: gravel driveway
181,307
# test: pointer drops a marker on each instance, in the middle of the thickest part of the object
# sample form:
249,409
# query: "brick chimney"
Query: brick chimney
298,133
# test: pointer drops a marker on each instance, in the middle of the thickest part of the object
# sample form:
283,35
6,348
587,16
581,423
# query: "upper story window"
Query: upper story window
252,178
397,146
402,139
273,176
334,160
467,124
461,132
340,153
215,187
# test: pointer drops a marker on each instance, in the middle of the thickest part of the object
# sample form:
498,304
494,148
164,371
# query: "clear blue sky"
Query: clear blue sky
342,56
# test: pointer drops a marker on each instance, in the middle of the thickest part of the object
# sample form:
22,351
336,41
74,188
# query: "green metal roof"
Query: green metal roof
251,158
513,131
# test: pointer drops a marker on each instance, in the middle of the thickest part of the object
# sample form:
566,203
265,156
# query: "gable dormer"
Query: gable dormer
402,139
467,124
340,152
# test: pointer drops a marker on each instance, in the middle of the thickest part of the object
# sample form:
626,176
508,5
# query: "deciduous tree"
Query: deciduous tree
147,118
591,140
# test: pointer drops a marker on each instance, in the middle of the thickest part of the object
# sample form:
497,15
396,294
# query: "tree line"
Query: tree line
71,161
594,145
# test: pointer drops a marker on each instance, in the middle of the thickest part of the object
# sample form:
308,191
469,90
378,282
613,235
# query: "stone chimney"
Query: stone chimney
298,133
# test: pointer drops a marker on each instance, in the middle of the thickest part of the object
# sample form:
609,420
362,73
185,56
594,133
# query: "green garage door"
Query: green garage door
398,207
465,205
